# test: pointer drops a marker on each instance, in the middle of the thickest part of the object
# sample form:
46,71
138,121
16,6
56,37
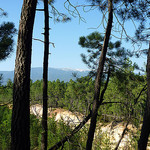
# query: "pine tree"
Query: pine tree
126,10
7,31
145,131
45,77
100,69
115,58
20,127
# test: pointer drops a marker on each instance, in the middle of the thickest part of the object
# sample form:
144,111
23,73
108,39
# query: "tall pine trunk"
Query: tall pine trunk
20,127
145,131
45,77
96,102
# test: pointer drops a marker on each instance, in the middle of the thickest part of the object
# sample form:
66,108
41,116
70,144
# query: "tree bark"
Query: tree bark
145,131
20,127
45,77
96,102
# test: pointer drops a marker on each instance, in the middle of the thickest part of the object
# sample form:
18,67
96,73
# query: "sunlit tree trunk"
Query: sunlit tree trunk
45,77
20,127
145,131
96,102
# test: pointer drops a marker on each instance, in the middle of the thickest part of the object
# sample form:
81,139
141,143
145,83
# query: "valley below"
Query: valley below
110,133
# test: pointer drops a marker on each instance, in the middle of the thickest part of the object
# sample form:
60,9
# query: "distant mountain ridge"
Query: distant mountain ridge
63,74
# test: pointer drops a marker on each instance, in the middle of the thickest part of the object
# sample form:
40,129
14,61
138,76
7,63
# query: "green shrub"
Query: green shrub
5,127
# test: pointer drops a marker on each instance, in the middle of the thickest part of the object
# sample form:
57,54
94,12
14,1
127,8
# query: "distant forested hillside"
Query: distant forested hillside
54,74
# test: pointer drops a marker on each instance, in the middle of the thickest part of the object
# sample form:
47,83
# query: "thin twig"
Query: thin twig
43,41
40,9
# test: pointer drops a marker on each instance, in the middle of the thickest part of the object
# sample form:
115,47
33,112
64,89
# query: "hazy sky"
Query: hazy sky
66,53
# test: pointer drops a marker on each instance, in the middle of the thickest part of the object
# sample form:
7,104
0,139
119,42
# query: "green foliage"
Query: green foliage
7,31
36,91
6,92
35,132
121,98
136,10
56,131
124,89
74,95
134,139
79,94
92,41
5,125
116,55
56,93
1,77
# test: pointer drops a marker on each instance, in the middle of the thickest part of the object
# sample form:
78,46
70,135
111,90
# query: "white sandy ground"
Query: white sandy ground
113,132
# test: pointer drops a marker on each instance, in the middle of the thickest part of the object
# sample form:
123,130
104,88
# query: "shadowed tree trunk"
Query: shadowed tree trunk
145,131
20,127
122,135
66,138
85,120
130,118
45,74
96,102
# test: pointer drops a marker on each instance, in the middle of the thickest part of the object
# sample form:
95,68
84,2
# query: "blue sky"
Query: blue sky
66,53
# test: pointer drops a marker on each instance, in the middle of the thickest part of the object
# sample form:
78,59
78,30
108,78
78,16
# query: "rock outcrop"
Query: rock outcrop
70,118
112,131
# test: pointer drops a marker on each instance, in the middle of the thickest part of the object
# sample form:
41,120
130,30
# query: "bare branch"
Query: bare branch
123,133
74,12
38,40
60,143
143,89
43,41
85,120
10,101
132,111
40,9
111,103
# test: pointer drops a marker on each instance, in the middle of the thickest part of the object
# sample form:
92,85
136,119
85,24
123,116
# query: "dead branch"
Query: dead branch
123,133
39,9
61,143
132,111
111,103
44,42
143,89
10,101
85,120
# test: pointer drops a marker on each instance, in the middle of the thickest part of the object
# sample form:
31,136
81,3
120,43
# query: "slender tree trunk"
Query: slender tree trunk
145,131
96,102
66,138
122,136
20,127
61,143
45,76
132,112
